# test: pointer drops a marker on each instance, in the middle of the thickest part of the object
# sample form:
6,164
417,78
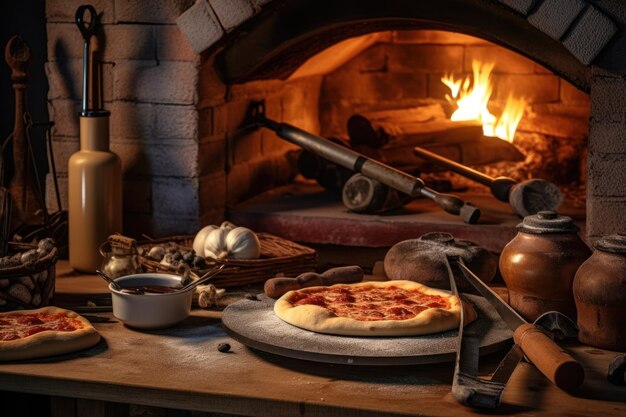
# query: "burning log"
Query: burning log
389,136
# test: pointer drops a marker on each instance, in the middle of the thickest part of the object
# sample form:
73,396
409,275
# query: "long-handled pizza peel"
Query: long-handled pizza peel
532,340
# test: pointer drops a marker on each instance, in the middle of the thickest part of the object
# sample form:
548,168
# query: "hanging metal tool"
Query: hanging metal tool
355,161
94,172
533,340
27,201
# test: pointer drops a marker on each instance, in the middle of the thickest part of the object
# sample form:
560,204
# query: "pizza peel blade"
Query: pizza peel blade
467,388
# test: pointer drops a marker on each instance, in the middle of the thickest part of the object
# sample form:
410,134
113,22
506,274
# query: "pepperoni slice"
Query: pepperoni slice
346,298
367,303
8,336
29,320
34,330
314,299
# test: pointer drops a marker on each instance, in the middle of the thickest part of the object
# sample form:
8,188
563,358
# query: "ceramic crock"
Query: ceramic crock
539,265
600,295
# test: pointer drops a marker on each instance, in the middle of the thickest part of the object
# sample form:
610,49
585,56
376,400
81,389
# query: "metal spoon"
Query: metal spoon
137,291
204,278
108,279
116,286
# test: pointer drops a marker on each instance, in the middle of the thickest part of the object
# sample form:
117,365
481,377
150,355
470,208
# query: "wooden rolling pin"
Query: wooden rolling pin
555,363
276,287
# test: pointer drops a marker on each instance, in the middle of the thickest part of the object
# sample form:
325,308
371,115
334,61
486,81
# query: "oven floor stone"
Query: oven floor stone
307,213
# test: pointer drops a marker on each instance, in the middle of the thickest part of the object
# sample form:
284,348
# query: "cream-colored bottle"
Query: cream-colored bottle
94,192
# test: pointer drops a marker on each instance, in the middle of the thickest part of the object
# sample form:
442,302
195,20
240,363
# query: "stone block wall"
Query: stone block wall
150,78
606,191
407,69
174,124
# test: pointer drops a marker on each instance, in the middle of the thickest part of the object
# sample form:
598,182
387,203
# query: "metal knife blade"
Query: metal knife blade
467,388
508,364
510,316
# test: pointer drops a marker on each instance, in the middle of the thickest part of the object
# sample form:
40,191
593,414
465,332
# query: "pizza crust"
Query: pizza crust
321,320
49,342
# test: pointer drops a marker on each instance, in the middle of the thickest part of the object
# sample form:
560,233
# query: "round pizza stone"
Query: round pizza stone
255,324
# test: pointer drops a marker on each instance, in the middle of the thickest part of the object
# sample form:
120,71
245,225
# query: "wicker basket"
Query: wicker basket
29,285
278,257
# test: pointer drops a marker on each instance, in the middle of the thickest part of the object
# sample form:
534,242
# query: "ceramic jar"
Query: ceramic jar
600,295
117,261
539,265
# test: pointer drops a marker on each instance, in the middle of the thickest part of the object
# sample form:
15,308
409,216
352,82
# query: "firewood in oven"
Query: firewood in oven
361,194
377,128
389,136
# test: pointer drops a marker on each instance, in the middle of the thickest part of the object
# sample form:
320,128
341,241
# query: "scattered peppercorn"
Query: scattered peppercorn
223,347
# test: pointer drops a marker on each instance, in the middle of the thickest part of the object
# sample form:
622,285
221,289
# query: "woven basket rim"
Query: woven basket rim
303,250
37,266
243,271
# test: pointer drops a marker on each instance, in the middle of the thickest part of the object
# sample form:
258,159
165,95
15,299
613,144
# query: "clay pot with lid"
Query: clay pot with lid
423,260
539,264
600,295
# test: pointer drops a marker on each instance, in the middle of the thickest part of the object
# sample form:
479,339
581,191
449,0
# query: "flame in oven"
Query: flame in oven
472,94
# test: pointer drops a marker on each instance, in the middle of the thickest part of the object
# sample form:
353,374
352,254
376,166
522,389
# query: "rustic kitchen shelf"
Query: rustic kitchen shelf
181,368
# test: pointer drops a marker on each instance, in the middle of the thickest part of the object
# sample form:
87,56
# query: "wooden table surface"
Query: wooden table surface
181,368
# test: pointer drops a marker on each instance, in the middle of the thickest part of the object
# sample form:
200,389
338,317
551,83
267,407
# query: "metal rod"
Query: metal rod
454,166
355,161
86,75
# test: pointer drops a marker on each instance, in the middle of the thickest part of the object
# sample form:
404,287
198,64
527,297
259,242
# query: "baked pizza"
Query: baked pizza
388,308
48,331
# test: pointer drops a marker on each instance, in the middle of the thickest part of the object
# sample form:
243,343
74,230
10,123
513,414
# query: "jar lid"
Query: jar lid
547,222
615,243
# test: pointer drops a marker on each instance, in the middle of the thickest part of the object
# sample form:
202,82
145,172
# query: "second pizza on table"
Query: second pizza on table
388,308
48,331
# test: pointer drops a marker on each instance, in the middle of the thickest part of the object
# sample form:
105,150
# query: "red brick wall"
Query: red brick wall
408,68
250,161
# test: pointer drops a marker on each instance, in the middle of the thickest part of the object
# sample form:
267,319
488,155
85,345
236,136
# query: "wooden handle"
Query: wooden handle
276,287
17,55
343,275
556,364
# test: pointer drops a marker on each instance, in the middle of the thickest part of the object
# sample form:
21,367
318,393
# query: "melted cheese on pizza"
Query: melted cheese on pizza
366,303
19,326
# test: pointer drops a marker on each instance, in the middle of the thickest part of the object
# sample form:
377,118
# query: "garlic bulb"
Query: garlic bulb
198,241
227,225
215,244
243,243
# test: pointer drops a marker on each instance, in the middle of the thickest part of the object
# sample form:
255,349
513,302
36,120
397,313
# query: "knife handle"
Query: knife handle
556,364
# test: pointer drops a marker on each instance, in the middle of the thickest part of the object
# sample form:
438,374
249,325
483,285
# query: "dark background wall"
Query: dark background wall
25,18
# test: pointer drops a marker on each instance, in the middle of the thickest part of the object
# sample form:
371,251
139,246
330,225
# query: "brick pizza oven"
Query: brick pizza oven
180,75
